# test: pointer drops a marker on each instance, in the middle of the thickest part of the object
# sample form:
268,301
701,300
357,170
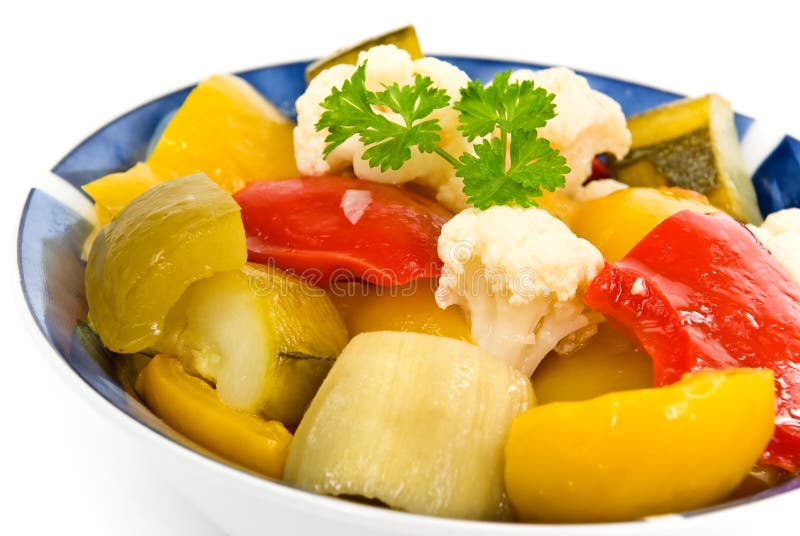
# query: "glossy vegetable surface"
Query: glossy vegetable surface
415,421
177,233
224,129
191,406
227,130
265,338
691,143
411,307
699,292
643,452
608,362
114,192
331,228
618,221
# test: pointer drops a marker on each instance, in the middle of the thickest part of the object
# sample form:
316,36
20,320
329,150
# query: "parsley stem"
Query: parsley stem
504,140
447,156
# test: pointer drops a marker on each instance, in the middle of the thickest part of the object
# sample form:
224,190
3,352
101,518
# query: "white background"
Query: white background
69,67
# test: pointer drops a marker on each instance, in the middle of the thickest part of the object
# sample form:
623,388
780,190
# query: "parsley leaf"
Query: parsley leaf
533,165
518,106
485,179
350,111
512,167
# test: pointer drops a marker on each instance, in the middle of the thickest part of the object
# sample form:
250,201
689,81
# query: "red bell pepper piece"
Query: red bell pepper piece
335,228
700,291
599,170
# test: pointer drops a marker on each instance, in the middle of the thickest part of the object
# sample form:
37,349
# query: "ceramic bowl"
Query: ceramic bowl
53,230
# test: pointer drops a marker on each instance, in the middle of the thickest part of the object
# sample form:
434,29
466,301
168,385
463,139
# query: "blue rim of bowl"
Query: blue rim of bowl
114,156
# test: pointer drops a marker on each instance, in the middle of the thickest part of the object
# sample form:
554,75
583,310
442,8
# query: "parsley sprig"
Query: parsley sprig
511,167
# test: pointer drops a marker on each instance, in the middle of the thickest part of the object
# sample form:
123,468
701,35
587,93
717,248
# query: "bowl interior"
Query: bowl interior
52,231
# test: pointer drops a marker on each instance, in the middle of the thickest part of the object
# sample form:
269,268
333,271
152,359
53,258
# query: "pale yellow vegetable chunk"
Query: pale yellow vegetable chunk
415,421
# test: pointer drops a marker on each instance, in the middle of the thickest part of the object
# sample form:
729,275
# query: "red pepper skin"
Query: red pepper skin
299,225
599,170
711,296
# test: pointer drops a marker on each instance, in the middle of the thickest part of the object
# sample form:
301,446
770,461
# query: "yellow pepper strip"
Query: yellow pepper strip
631,454
191,407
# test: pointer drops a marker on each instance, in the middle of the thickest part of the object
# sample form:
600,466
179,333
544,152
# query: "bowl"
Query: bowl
56,221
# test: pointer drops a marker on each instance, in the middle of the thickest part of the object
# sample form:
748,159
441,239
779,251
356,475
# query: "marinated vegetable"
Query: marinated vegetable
397,125
608,362
114,192
644,452
662,339
780,233
616,222
177,233
404,38
331,228
699,292
224,129
588,122
415,421
264,338
190,406
519,274
408,308
691,144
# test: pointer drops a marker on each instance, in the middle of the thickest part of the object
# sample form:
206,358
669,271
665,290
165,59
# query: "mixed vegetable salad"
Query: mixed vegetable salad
497,300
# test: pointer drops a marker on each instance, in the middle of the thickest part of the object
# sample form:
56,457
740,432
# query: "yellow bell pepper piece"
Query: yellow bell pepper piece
191,407
617,222
227,130
608,362
411,308
558,204
224,129
114,192
631,454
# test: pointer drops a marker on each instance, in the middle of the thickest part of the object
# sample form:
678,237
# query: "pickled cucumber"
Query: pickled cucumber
141,263
415,421
265,338
691,144
405,38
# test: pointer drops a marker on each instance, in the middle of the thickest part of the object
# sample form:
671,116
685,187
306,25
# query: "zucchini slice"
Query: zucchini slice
692,144
405,38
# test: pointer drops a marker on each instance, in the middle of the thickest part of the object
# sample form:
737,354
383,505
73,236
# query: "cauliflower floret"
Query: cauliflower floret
386,64
588,122
780,233
520,275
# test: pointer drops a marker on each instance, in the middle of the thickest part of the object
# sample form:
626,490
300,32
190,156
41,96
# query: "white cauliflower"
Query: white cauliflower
780,233
588,122
386,64
520,275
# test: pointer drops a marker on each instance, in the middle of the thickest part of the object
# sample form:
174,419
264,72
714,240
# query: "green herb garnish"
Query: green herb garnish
510,168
